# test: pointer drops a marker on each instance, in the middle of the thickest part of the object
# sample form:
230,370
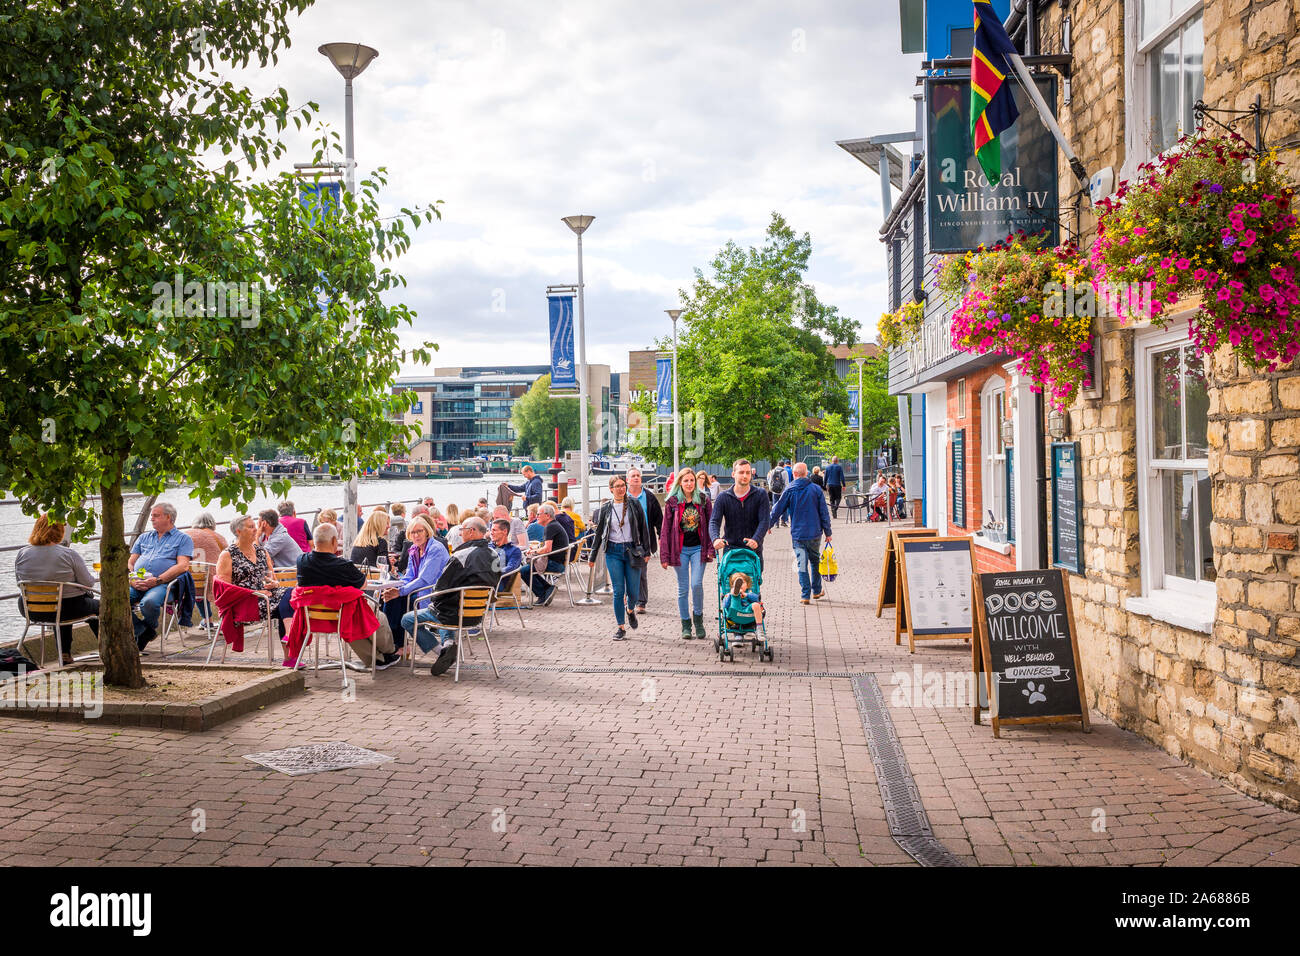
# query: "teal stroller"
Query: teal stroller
737,625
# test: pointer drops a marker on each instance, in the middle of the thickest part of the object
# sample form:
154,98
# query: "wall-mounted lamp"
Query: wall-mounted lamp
1008,432
1056,424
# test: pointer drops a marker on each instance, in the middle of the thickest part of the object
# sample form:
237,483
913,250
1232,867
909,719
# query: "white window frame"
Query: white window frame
1137,81
991,438
1189,604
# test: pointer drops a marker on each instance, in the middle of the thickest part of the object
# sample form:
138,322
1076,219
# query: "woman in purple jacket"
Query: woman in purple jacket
684,544
427,557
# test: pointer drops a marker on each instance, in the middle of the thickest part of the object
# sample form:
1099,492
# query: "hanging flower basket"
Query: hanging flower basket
1211,218
902,328
1023,300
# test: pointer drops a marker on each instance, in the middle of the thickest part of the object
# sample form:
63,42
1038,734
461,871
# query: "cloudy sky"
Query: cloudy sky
678,126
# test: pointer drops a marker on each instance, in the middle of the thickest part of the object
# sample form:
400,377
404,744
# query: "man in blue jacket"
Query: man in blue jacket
835,484
531,489
809,519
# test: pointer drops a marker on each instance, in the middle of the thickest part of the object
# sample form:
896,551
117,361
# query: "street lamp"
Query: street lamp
579,225
860,362
677,422
350,59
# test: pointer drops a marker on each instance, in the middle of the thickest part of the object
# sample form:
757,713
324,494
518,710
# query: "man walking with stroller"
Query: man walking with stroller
809,519
743,509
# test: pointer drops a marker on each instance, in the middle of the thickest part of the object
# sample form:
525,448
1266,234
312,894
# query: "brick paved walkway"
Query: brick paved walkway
714,766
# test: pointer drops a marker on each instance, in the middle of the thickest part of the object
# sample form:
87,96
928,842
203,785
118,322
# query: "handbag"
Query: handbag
829,568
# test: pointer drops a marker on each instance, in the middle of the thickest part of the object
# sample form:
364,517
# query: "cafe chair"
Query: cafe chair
43,608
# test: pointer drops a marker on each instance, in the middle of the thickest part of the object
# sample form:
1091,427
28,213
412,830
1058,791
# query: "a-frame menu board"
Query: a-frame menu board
891,588
935,577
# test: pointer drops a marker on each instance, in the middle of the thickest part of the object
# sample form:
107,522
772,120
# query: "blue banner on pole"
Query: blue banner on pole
664,383
563,367
321,199
853,408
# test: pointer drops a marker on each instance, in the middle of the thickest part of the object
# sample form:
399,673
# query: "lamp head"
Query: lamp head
578,224
350,59
673,314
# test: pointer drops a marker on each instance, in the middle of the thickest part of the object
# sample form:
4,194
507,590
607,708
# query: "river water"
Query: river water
307,497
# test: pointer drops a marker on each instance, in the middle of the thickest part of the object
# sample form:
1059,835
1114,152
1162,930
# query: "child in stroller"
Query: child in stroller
743,607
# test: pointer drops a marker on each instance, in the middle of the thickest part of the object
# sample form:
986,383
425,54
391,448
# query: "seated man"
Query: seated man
296,526
322,567
518,535
878,497
157,558
275,538
509,557
554,541
473,564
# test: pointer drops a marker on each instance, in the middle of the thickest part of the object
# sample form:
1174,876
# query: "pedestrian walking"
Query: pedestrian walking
740,515
776,481
809,519
684,544
622,531
835,484
654,519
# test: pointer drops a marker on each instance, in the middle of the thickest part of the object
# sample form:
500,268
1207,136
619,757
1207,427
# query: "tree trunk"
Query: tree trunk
117,647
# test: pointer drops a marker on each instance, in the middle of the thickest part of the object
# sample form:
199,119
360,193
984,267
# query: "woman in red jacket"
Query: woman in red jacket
684,544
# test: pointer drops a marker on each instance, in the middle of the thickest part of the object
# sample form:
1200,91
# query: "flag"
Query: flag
563,368
992,106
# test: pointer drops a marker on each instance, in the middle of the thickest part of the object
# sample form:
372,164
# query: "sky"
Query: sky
677,125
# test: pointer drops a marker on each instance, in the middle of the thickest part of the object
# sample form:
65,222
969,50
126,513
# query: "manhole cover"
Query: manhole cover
316,758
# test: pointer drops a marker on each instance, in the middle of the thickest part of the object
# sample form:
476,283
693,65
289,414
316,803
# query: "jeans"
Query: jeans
150,604
424,637
643,580
690,574
395,611
537,582
808,554
625,579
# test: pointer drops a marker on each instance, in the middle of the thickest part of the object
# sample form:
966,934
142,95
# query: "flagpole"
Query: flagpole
1027,81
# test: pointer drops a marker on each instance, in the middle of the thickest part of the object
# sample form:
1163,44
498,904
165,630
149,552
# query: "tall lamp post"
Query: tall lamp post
579,225
860,362
350,59
677,421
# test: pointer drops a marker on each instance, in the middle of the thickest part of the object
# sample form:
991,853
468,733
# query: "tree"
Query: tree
535,416
879,412
155,306
837,438
753,359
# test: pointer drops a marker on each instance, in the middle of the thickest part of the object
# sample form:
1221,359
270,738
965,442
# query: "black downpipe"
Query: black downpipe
1040,433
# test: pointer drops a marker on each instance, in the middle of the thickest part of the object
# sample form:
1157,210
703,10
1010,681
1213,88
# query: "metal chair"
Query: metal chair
567,561
472,610
852,504
201,573
329,617
505,589
46,598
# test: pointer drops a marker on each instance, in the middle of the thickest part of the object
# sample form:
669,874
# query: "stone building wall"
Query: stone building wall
1227,701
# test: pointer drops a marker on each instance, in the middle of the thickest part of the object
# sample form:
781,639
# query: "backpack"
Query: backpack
776,480
12,661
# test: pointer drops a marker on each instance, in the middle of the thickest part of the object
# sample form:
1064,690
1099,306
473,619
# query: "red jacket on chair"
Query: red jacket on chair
235,604
356,619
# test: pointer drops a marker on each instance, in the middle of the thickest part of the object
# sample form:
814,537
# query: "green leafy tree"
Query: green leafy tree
535,417
753,358
153,305
837,438
879,415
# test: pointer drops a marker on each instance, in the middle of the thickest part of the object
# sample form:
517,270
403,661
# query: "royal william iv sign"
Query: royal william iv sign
965,210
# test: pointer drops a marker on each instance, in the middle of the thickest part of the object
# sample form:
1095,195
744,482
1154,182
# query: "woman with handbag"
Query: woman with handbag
621,528
684,545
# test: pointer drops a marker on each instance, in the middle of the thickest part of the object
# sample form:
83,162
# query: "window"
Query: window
1171,46
993,409
961,398
1174,502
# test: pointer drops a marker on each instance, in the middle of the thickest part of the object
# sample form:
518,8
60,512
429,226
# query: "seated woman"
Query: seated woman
371,546
579,526
46,558
246,564
426,558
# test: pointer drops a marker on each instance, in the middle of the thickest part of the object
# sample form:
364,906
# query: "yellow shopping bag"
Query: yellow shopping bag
828,567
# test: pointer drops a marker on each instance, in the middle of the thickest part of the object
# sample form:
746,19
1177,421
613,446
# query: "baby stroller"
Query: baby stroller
730,633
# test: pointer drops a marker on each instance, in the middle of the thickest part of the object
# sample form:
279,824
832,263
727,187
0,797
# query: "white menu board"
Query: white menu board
938,583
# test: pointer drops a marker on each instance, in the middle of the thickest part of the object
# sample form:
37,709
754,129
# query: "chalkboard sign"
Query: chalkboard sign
1027,649
1067,507
935,574
1011,494
891,594
959,478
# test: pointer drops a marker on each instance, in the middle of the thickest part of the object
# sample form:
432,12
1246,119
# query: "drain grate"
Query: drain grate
317,758
908,824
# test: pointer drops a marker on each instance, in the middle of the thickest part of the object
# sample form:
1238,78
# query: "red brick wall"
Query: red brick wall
972,421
